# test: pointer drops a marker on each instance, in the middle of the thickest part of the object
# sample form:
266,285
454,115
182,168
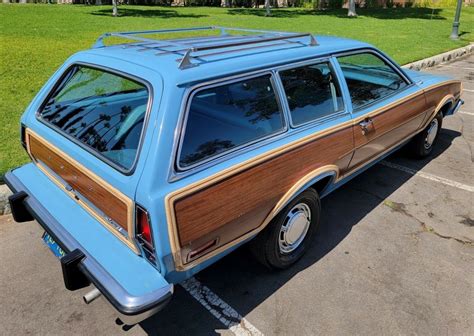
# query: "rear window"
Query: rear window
225,117
103,111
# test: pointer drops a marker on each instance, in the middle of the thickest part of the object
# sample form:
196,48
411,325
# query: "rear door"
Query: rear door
233,203
386,107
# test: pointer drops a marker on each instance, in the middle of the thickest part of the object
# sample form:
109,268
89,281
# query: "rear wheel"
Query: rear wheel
289,234
422,144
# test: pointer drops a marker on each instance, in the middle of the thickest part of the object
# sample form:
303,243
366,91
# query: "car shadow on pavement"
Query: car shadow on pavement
244,284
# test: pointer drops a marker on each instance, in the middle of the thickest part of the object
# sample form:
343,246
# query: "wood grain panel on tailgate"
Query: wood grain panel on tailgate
100,196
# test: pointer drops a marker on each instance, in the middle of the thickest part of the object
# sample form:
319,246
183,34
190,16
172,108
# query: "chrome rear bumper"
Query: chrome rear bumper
79,263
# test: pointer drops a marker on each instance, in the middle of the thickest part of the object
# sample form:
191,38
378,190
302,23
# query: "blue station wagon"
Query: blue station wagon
153,158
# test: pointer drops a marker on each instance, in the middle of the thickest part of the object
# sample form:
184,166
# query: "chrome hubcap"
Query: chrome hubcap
431,135
294,229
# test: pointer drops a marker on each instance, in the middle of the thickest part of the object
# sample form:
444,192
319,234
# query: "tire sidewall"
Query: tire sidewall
282,260
427,151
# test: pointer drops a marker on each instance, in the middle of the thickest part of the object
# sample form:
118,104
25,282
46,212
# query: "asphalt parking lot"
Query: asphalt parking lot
395,255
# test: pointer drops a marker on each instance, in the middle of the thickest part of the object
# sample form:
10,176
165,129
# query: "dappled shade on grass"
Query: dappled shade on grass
148,12
378,13
37,39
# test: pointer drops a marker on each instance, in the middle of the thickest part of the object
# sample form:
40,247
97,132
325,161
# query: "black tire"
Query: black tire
266,246
419,148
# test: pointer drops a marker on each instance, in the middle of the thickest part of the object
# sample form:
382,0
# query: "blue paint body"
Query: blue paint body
150,182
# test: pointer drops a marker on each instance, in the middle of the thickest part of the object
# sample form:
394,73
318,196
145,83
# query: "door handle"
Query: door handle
367,125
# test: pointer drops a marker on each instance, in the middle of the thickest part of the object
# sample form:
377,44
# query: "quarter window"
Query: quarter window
369,78
312,92
227,116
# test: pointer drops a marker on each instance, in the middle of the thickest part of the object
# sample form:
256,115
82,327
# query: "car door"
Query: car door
386,107
226,131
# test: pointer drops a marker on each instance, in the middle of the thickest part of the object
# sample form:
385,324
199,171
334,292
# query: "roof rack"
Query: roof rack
188,46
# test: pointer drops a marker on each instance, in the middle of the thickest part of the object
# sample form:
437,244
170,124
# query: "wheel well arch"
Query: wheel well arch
319,179
445,105
322,184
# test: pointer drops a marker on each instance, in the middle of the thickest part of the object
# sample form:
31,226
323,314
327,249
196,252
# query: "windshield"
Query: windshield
103,111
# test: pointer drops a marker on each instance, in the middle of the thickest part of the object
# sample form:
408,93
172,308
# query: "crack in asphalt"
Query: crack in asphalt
401,208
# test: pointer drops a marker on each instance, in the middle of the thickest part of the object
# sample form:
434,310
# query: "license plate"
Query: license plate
53,246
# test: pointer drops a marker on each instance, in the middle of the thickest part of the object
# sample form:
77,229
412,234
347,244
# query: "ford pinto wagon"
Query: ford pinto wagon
153,158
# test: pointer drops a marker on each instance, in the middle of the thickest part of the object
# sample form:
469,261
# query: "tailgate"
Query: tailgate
131,284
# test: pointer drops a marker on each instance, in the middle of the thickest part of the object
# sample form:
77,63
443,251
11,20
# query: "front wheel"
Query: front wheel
289,234
422,144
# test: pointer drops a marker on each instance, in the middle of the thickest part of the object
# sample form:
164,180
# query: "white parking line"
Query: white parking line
219,309
468,90
428,176
466,113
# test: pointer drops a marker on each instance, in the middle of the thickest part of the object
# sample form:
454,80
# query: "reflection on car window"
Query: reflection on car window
227,116
311,92
103,111
369,78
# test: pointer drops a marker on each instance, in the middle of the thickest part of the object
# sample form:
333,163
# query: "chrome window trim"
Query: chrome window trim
322,119
96,154
388,61
187,103
378,53
175,175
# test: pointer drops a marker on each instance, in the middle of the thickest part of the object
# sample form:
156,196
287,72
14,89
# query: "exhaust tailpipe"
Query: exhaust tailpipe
91,296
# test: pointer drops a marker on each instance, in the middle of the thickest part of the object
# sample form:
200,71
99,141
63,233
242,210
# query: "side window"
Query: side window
312,92
369,78
227,116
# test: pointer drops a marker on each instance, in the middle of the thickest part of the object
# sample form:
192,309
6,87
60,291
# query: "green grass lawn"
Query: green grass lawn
36,39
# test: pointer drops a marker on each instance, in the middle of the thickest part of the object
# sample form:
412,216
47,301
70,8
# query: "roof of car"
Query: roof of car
190,59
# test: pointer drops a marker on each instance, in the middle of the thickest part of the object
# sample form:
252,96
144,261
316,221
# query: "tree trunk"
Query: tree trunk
226,3
22,1
267,8
114,8
352,9
98,2
320,4
5,1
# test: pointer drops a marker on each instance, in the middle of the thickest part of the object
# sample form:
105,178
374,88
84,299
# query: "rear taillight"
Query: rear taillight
143,234
23,136
143,225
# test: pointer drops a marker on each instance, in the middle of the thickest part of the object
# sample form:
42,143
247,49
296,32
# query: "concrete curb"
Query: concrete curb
4,205
446,57
429,62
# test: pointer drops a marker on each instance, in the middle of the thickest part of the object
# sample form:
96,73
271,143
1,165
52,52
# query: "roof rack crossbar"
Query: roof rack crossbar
187,47
131,34
186,60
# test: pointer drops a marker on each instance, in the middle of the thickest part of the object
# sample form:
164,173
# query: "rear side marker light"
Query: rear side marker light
200,250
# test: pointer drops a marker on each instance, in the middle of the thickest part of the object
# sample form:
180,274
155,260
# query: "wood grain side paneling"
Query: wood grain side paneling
97,194
435,95
388,128
392,118
226,205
